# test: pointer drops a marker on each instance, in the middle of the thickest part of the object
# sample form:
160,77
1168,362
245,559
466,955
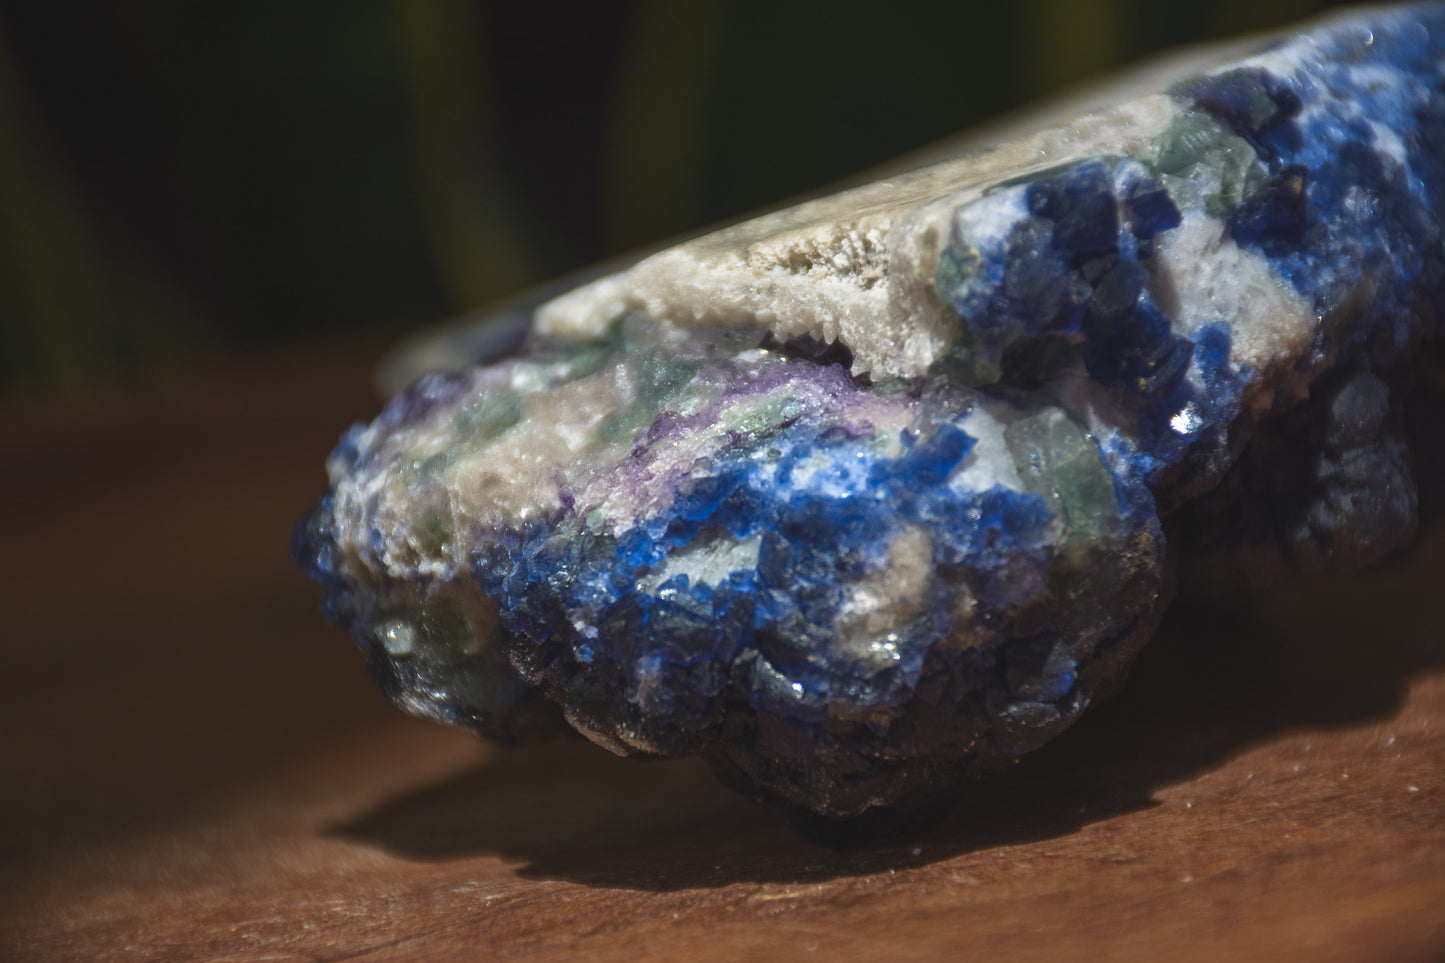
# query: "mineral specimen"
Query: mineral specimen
861,497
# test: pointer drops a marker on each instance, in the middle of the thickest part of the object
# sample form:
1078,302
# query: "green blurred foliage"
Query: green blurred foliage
180,179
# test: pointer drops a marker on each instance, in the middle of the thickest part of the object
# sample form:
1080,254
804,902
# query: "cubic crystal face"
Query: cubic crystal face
866,495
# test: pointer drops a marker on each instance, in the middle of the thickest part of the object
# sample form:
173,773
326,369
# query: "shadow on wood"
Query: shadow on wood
1324,652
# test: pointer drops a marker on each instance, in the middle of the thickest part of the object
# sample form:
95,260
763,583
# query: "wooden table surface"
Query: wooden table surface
195,766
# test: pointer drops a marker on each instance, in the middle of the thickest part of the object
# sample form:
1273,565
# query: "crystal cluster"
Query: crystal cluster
861,497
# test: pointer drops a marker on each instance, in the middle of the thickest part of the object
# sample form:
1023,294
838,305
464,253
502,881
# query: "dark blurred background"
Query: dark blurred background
182,180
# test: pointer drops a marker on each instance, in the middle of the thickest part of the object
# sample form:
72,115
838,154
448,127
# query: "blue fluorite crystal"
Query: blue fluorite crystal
862,497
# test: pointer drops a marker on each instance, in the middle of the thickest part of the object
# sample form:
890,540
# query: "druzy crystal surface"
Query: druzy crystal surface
862,497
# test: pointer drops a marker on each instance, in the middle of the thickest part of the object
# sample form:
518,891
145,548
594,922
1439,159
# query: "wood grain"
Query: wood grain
196,767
